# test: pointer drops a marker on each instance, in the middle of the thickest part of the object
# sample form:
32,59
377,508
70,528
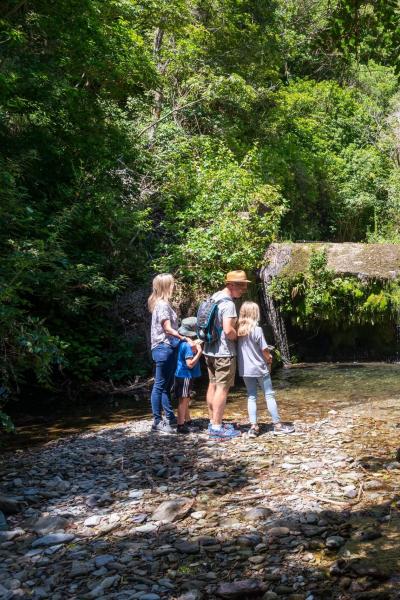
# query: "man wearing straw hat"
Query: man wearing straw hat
220,355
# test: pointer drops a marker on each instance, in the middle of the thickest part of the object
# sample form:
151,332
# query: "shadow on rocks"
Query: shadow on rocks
138,516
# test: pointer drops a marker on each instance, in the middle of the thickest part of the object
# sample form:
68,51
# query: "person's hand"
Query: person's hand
199,346
269,359
191,343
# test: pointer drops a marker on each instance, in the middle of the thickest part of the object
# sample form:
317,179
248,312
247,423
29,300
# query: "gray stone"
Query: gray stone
349,491
150,596
197,515
9,505
172,510
92,521
31,491
240,589
367,535
393,466
257,559
3,522
44,525
108,582
312,518
7,536
146,528
278,531
215,475
135,494
103,559
191,595
259,513
53,538
81,568
334,541
186,547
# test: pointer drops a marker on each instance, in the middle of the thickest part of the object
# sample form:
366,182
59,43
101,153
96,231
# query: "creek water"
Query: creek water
305,392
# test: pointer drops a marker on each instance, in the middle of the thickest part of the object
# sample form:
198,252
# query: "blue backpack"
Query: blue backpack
207,330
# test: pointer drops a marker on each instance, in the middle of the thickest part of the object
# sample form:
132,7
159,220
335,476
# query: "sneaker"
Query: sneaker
162,427
283,429
224,433
253,432
183,429
224,425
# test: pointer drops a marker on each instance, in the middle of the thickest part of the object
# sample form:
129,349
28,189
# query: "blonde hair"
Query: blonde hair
248,318
162,289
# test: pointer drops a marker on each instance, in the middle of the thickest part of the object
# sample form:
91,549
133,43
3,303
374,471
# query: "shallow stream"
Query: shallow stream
306,392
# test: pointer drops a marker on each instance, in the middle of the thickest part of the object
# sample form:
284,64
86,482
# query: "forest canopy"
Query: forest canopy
182,135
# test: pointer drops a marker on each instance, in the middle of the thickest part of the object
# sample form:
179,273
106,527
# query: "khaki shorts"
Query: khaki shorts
221,370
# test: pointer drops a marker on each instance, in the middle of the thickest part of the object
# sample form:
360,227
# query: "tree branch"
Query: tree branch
174,110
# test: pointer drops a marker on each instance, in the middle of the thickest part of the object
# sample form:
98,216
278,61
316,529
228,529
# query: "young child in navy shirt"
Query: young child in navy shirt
188,367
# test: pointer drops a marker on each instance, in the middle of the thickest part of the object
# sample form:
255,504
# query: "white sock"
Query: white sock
216,427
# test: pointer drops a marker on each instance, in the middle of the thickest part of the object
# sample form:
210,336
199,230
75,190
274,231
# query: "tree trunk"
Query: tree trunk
158,94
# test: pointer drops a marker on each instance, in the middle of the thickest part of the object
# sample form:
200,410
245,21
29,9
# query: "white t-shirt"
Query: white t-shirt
251,362
223,346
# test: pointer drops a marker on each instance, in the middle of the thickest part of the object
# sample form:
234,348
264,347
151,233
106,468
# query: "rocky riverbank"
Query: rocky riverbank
123,514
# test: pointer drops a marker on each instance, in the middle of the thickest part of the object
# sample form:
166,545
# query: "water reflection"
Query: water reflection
306,392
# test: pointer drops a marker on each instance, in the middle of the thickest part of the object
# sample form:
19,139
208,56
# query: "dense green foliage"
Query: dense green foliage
181,135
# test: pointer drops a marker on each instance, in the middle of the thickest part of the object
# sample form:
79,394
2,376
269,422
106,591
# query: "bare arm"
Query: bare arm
169,330
192,362
229,327
267,357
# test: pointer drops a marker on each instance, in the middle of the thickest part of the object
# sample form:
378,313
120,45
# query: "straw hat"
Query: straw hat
236,277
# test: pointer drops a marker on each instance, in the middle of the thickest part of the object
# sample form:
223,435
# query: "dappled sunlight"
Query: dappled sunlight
315,513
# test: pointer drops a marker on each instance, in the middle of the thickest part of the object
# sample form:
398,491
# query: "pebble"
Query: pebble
105,584
259,513
146,528
124,530
172,510
187,547
9,505
3,522
48,524
200,514
7,536
349,491
92,521
53,538
334,541
278,531
191,595
240,589
103,560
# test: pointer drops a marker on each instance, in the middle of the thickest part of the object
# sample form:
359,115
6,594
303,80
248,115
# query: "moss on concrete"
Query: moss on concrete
366,261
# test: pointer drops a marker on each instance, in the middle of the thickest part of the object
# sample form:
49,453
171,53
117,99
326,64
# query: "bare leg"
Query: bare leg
210,399
182,410
219,402
187,413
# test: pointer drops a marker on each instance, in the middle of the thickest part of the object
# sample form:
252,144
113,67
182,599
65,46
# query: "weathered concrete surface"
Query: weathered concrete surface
370,261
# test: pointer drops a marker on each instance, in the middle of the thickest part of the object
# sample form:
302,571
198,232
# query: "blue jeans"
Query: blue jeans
165,358
265,384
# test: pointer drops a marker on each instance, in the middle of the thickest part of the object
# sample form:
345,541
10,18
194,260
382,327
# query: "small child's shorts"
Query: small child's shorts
183,387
